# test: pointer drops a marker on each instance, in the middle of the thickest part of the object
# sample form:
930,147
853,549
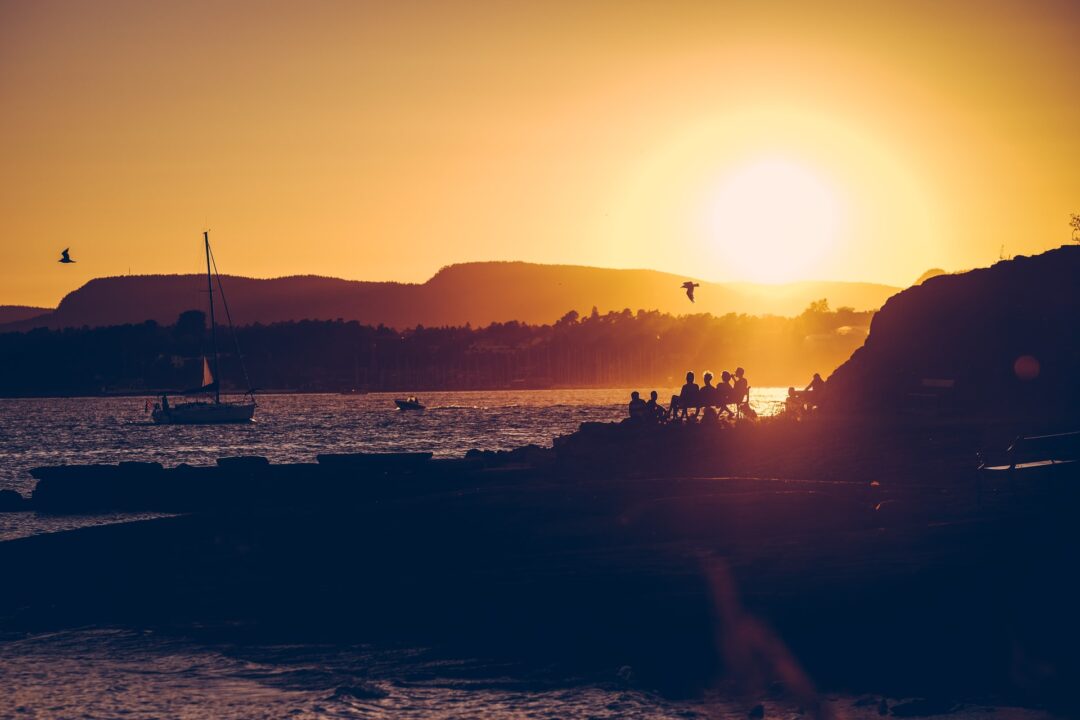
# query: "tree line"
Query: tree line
617,349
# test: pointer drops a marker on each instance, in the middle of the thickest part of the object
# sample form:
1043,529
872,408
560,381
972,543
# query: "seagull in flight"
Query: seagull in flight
690,285
64,257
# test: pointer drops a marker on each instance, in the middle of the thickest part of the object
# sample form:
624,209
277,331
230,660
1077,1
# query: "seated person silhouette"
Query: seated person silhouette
725,393
741,386
686,399
793,401
817,385
655,411
638,409
807,399
741,390
708,397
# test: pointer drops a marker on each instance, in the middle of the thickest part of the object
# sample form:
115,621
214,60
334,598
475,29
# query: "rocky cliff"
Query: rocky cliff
1001,341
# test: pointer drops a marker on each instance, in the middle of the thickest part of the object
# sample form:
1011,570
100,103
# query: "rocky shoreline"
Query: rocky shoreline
891,455
599,550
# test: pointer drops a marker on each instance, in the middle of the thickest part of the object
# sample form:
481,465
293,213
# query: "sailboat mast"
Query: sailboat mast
213,321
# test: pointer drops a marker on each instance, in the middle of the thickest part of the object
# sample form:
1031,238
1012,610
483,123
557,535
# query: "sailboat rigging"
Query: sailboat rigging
203,411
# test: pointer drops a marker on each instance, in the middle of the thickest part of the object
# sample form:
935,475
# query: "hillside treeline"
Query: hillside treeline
646,348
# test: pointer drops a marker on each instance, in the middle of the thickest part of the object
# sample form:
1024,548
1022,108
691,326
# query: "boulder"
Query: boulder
243,462
11,501
375,462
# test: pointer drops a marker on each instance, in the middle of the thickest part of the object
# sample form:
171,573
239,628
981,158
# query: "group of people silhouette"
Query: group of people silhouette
730,397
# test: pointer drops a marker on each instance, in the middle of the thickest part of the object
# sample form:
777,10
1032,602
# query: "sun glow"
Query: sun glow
774,220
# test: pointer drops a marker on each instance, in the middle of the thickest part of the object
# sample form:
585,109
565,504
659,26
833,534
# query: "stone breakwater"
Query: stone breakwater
858,456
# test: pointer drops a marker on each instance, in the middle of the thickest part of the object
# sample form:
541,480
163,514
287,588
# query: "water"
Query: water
107,673
288,428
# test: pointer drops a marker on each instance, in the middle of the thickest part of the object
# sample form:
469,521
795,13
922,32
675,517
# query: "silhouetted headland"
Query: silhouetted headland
1001,342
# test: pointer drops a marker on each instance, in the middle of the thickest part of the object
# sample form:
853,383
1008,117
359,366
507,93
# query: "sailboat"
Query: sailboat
206,411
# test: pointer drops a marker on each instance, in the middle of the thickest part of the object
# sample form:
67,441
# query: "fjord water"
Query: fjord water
288,428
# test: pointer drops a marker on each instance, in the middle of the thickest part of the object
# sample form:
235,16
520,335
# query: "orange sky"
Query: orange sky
743,140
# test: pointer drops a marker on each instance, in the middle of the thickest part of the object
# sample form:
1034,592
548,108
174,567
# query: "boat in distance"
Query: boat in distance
409,403
214,410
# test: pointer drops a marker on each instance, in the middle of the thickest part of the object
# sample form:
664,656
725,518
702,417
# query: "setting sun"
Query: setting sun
774,220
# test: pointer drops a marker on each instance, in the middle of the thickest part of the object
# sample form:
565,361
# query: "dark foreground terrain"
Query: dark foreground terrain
896,577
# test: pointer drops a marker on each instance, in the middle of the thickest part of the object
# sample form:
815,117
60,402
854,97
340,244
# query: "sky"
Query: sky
751,140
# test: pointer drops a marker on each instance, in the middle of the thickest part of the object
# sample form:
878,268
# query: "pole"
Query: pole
213,321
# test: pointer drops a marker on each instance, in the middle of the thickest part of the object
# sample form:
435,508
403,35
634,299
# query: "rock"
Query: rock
137,466
375,462
11,501
952,345
243,462
924,707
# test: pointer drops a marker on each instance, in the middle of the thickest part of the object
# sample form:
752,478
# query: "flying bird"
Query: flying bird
64,257
690,285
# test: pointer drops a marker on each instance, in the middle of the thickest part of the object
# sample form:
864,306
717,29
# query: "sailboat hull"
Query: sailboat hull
204,413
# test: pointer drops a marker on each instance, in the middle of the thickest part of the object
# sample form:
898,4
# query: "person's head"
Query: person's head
739,372
635,395
725,376
708,377
791,392
690,376
652,395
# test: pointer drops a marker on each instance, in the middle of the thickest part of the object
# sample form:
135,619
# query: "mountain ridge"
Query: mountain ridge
16,313
477,293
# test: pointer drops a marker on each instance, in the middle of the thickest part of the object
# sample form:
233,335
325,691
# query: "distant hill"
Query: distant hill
999,341
15,313
477,293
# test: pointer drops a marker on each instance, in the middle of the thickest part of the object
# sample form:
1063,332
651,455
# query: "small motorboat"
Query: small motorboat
409,403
